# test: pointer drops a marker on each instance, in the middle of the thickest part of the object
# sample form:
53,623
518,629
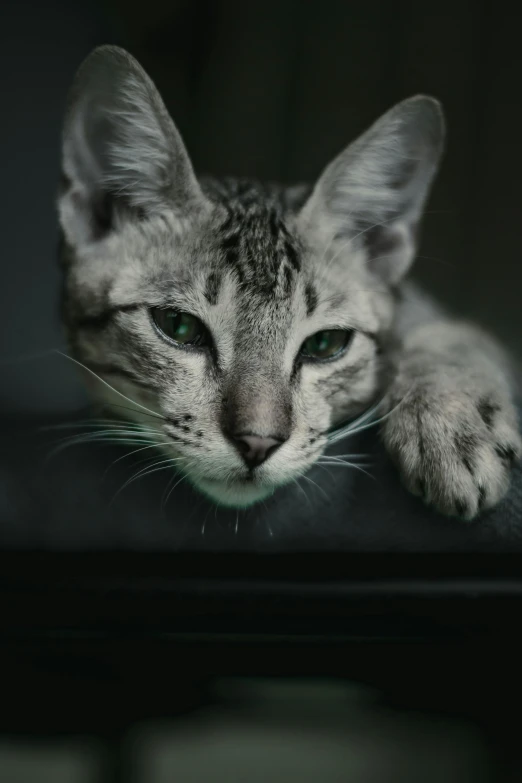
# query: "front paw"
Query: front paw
454,448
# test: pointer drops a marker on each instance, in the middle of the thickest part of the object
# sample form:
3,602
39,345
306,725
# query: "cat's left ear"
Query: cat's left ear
374,192
121,152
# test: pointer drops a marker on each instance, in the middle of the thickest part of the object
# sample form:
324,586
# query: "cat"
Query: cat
245,321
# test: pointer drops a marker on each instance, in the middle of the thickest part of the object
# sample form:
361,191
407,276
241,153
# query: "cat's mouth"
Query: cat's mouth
240,492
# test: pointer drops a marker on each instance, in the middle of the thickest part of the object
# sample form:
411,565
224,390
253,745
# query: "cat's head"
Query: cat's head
249,319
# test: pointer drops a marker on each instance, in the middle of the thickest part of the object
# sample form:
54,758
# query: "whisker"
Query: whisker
320,465
132,410
205,521
168,492
352,429
345,429
347,456
347,465
368,413
301,489
108,385
96,424
88,436
97,438
344,462
344,459
307,478
130,453
267,523
183,477
161,465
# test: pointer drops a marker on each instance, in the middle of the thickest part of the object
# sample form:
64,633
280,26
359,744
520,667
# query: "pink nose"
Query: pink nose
255,449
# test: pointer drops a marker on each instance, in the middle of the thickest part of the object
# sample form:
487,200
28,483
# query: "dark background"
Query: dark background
271,90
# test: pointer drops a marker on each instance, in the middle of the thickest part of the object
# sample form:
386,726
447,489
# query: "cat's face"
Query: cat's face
228,326
249,320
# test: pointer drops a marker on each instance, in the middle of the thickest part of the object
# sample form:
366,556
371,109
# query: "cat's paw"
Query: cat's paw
454,448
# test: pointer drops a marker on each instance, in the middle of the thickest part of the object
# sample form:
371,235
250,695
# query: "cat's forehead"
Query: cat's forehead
247,256
253,243
254,237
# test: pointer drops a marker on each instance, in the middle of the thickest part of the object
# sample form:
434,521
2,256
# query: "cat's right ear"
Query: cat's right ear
121,153
374,192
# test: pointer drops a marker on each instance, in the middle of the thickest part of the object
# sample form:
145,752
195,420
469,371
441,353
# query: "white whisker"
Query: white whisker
130,453
132,410
119,431
307,478
346,456
161,465
99,438
301,489
108,385
347,465
352,428
205,521
169,492
96,424
367,414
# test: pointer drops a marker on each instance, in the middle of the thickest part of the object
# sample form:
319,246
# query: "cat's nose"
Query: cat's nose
255,449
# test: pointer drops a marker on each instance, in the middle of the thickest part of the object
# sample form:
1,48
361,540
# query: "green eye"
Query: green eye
326,344
182,328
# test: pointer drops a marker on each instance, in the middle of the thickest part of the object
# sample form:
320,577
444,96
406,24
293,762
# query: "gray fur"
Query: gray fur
264,267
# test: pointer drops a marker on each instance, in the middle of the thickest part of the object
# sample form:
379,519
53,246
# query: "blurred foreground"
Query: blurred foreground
268,730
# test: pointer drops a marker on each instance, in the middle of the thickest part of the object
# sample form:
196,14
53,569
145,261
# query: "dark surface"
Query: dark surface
288,597
75,500
349,557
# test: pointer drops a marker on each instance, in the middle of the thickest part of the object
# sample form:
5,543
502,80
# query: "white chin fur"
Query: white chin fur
233,495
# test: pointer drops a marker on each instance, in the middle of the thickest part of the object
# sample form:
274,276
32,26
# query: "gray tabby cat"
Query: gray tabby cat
244,321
